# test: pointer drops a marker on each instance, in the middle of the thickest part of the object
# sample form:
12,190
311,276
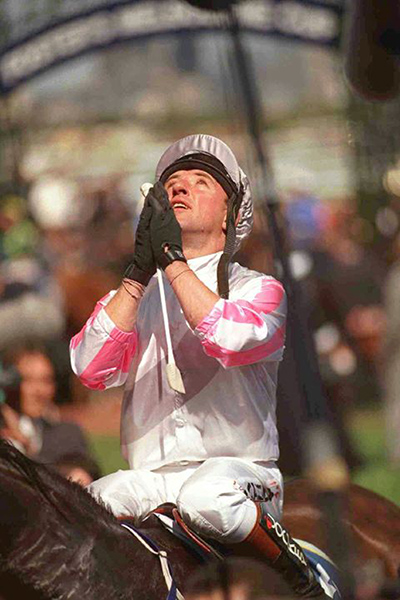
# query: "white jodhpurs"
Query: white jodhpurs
217,498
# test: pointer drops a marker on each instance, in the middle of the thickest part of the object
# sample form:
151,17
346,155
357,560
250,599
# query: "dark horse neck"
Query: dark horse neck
56,541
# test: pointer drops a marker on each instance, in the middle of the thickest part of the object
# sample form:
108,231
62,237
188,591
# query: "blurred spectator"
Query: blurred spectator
391,359
308,232
85,219
38,385
350,296
19,235
347,318
236,579
110,232
30,300
27,311
357,271
31,416
306,218
85,232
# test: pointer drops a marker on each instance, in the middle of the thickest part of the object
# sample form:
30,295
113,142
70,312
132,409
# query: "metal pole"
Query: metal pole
321,457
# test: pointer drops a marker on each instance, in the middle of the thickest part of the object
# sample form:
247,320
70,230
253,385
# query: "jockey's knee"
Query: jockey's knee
214,507
114,492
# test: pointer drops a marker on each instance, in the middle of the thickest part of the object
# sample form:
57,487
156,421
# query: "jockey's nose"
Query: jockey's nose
179,187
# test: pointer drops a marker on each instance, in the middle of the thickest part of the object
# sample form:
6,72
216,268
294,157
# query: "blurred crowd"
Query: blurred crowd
350,293
63,245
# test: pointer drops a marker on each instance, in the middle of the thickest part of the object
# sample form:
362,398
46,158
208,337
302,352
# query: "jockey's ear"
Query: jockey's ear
224,221
237,218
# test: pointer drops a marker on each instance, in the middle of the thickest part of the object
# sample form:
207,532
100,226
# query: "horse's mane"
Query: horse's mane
53,487
62,539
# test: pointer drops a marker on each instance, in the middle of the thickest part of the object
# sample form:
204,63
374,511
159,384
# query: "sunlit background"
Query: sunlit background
79,138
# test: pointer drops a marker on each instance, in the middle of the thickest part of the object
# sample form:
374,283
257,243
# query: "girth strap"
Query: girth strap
173,592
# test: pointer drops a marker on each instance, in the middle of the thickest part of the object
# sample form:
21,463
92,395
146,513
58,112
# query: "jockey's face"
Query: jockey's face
200,204
37,384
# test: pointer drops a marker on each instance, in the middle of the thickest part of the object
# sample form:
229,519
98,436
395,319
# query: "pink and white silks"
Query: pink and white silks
229,365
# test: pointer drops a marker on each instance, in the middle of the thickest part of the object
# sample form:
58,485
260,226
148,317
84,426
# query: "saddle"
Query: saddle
207,550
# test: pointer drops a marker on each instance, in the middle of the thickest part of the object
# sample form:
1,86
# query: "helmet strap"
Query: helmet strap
223,265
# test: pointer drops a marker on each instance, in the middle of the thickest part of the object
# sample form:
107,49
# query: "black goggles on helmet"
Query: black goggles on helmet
204,162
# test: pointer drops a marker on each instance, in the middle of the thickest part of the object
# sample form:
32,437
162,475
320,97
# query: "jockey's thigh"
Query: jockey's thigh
138,492
220,499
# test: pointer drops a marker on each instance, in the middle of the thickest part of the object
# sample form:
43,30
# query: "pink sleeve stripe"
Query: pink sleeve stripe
111,353
129,348
267,299
99,385
76,340
231,358
243,311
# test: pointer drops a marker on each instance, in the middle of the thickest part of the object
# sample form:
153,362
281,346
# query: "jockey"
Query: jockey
212,448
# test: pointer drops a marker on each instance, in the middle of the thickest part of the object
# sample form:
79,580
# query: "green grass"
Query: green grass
367,431
107,451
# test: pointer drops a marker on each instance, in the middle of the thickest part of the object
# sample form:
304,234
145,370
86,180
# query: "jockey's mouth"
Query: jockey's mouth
180,205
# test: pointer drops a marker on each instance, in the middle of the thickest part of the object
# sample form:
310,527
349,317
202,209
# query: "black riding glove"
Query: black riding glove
165,231
143,265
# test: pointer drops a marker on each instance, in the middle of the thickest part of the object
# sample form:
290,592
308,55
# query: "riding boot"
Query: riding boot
273,543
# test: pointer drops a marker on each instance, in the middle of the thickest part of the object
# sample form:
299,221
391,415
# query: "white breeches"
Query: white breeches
217,498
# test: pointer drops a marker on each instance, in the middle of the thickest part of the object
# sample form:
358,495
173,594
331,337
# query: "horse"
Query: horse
58,542
371,524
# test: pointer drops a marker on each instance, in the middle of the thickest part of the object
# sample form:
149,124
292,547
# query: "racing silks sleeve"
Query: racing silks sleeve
101,354
248,328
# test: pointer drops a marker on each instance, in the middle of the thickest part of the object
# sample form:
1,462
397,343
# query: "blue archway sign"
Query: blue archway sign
40,34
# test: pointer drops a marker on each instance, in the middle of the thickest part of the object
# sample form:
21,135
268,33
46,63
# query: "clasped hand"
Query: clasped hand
158,230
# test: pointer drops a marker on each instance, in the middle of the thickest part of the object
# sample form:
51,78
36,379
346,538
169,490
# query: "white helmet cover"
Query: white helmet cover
207,144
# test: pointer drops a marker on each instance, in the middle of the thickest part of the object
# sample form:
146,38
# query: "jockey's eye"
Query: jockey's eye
169,184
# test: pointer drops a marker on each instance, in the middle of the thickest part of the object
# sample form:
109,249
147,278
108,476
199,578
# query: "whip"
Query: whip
174,376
